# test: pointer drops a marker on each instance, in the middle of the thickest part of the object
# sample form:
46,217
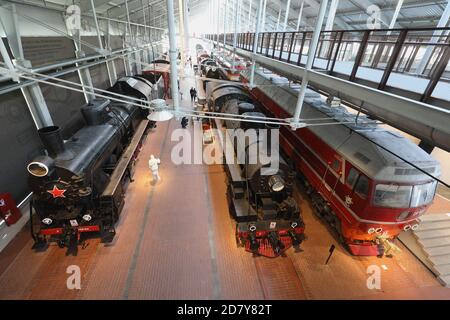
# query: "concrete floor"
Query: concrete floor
175,240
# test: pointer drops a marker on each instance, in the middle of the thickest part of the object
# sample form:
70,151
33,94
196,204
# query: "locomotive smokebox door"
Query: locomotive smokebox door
8,209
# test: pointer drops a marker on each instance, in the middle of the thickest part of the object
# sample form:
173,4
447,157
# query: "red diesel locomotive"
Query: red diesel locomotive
367,194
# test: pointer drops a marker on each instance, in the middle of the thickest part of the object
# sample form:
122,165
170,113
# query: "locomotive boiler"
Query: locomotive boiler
78,184
268,219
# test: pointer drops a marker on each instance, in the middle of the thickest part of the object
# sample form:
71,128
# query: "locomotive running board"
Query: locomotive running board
124,161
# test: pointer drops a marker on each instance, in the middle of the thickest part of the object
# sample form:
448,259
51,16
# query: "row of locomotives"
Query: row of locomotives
351,169
158,72
78,184
231,70
209,69
260,184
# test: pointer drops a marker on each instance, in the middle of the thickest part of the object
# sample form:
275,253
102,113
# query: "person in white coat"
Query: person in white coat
153,164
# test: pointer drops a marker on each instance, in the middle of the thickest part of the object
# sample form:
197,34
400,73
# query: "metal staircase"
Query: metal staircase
431,244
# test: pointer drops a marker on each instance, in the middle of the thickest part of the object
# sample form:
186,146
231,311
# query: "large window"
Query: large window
423,194
392,196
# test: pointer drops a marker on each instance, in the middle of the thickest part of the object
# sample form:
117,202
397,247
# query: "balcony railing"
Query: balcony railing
370,55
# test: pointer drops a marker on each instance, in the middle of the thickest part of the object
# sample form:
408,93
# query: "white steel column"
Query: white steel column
331,15
263,24
286,16
173,55
396,13
130,37
311,52
249,21
278,20
33,95
111,76
436,36
299,20
225,16
237,4
186,27
181,28
218,24
255,43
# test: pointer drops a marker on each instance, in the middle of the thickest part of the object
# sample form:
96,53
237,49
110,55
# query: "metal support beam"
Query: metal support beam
360,54
249,20
396,13
173,55
393,59
186,27
277,28
218,23
255,42
436,74
331,15
434,39
309,63
32,94
110,69
286,16
181,33
299,20
263,25
237,4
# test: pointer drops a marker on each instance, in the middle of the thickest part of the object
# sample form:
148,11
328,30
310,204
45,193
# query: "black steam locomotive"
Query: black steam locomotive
259,194
78,184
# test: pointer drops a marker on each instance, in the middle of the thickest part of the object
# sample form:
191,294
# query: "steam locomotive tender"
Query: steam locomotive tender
259,196
78,184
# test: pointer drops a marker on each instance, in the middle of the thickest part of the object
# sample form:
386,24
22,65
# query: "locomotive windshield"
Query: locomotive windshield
396,196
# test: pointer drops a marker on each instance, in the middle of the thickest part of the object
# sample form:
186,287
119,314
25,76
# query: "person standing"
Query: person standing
193,94
153,164
184,122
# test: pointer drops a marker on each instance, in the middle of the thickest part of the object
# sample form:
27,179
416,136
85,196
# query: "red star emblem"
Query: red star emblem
57,193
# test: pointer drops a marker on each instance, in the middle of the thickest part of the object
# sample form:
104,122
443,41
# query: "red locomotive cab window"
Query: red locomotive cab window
358,182
336,166
352,177
362,186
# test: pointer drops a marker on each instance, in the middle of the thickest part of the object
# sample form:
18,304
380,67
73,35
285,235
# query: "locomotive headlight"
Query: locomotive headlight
276,183
379,230
47,221
407,227
87,217
252,228
371,230
414,227
294,224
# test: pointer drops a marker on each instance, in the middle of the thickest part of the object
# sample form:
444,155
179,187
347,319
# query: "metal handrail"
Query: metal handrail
390,50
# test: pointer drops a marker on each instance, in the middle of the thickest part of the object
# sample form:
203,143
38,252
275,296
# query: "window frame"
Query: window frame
366,195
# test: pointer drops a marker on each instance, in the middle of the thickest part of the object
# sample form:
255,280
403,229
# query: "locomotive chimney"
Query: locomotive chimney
52,140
